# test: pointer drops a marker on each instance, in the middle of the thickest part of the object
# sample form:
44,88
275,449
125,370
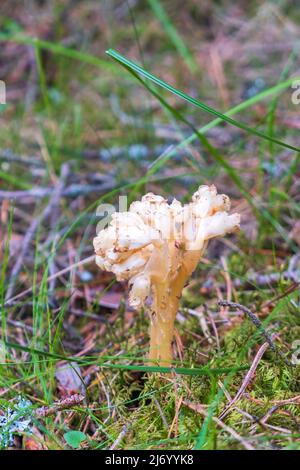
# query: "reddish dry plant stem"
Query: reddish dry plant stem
64,404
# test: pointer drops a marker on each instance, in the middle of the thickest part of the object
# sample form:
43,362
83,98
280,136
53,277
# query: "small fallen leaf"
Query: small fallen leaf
74,438
69,377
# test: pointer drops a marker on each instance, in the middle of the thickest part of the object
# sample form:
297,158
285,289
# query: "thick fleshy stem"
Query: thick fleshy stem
166,297
163,317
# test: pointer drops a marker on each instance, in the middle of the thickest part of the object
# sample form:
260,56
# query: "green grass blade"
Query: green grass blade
60,50
17,182
232,173
171,31
223,117
141,368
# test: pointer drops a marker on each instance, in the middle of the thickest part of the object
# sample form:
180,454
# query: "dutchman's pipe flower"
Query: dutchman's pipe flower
157,246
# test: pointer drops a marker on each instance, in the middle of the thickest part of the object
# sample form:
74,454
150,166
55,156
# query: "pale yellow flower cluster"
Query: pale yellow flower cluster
156,246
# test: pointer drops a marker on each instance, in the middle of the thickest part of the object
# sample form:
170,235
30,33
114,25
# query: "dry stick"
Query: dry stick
34,226
261,280
267,416
247,379
258,324
162,415
52,266
68,402
175,419
59,273
7,154
291,274
119,438
73,190
295,400
19,324
273,409
294,286
200,409
268,279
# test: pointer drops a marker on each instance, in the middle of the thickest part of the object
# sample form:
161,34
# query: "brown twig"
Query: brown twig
294,286
120,437
54,200
73,190
88,260
247,379
276,407
261,280
257,280
162,415
200,409
258,324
